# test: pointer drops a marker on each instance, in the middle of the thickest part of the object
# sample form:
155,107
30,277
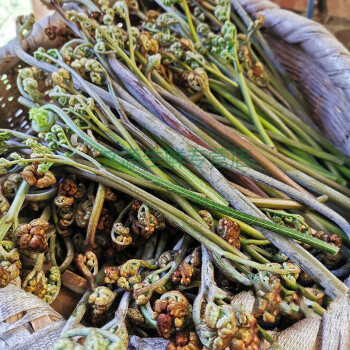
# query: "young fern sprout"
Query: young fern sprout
120,234
149,288
184,5
122,9
26,25
110,36
88,265
10,218
34,237
200,200
198,81
132,144
216,320
113,336
230,35
152,63
28,85
86,132
289,219
170,313
188,229
93,67
128,274
99,302
10,263
41,121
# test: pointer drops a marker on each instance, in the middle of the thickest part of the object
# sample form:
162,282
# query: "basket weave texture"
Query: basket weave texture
318,63
13,115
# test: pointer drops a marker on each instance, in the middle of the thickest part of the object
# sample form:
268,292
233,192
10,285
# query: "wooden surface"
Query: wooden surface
66,302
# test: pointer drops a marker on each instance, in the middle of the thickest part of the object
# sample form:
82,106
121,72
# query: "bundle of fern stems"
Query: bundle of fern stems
184,107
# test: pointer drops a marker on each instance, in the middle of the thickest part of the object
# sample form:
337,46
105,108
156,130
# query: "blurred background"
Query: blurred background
9,10
334,14
335,8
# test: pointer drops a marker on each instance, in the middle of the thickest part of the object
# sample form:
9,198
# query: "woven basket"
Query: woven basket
320,67
315,60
